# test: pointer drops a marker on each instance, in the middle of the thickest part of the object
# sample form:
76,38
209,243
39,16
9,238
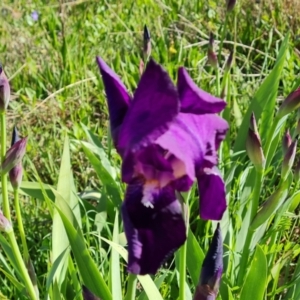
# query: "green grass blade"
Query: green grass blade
194,258
146,281
263,102
88,270
255,283
115,271
65,193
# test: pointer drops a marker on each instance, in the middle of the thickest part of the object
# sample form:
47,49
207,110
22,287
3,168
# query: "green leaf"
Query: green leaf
65,193
194,257
33,189
263,102
115,272
255,284
146,281
111,187
88,270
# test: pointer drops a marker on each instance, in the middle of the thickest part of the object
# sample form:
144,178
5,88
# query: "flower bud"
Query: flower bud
270,206
212,269
4,90
286,142
288,160
87,294
292,102
211,56
14,155
230,4
5,225
253,145
229,61
147,42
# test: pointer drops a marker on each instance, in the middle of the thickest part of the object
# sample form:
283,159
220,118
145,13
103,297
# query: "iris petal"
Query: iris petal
193,99
155,104
153,231
117,97
212,194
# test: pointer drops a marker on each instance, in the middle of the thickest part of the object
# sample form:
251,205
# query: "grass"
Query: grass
56,88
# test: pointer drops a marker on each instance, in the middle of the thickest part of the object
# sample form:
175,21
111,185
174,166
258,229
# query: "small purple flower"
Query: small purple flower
168,137
16,173
35,15
212,269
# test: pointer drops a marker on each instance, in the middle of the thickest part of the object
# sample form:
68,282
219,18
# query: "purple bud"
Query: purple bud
212,269
230,4
5,225
211,56
14,155
229,61
253,145
292,102
288,160
147,41
16,173
286,142
4,91
87,294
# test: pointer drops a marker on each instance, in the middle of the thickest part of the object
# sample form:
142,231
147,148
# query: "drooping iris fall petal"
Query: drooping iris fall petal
212,194
118,99
154,229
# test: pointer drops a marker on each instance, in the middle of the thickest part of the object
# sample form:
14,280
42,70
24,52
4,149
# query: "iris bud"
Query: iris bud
292,102
147,42
230,4
288,160
212,269
253,145
4,91
5,225
286,142
211,56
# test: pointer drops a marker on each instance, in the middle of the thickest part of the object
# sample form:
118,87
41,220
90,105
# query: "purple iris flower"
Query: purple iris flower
212,269
168,137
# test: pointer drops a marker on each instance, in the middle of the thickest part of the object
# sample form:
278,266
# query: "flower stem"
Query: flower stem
21,265
182,271
20,225
5,203
254,208
6,211
131,287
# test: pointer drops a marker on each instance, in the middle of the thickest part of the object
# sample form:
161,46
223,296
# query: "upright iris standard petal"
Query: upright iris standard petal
193,99
212,269
153,231
212,194
155,105
118,99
